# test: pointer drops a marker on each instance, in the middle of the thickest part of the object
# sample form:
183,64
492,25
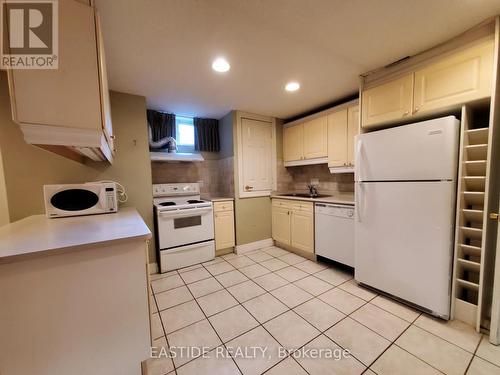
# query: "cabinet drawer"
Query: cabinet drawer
303,206
282,203
223,206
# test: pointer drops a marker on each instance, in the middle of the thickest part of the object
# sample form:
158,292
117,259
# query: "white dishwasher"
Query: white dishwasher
334,232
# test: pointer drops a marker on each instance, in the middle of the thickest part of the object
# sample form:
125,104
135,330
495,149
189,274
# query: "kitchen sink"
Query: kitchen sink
306,195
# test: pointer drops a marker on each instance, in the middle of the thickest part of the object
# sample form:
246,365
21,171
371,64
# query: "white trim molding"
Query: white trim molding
153,268
248,247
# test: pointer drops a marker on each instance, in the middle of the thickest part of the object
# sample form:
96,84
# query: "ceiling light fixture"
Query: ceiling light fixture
292,86
220,65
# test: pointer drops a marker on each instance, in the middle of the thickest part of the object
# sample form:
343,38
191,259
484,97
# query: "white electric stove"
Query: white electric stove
184,226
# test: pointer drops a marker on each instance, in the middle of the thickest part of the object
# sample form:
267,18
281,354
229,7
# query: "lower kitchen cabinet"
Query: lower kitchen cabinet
224,225
293,224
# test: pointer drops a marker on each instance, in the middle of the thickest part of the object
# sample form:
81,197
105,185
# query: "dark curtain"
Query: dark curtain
206,134
162,125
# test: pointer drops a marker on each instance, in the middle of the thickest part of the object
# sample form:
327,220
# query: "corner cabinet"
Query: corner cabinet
343,126
445,82
306,142
67,110
293,224
224,225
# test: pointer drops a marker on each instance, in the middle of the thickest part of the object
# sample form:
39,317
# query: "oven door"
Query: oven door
184,227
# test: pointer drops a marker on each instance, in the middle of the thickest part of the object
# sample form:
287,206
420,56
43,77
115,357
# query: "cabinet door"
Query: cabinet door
352,132
458,78
68,96
315,138
302,230
337,136
388,102
256,139
281,224
224,229
293,139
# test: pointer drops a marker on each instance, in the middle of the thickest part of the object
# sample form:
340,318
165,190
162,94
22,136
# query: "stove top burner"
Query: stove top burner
167,204
193,201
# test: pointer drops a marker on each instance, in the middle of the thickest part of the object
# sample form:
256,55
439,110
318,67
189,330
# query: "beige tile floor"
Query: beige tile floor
274,299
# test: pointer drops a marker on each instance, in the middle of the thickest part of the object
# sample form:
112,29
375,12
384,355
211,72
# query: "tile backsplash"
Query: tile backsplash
297,179
216,176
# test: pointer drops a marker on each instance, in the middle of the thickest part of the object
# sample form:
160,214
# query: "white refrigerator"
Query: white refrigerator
405,211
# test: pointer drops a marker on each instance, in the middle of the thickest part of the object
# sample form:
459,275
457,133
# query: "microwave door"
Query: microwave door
74,200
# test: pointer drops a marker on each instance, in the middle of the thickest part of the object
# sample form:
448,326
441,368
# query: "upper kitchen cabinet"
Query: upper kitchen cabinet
67,110
343,126
388,102
461,77
306,142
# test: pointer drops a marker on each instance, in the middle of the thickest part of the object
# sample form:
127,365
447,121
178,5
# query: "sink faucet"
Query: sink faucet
312,190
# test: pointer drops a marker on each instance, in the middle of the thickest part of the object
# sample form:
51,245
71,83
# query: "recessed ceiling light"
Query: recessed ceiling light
221,65
292,86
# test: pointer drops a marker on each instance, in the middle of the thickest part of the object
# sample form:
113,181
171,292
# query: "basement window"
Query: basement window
184,130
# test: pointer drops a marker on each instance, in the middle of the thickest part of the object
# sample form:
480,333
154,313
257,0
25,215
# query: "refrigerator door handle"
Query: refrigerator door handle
359,208
357,160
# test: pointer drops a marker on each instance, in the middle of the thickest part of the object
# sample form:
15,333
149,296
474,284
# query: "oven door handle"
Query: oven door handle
185,213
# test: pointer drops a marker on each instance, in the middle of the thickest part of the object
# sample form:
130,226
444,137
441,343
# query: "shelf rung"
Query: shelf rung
475,167
478,136
468,285
471,250
472,233
475,198
469,265
477,152
473,215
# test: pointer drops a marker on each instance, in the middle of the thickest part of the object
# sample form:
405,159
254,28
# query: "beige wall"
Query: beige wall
4,207
27,168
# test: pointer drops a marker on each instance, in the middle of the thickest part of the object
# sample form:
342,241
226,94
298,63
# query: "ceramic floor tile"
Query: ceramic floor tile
218,268
362,342
481,367
261,361
156,276
324,365
233,322
397,361
229,256
310,267
167,283
158,366
181,316
195,275
343,301
287,367
313,285
259,256
291,295
489,351
214,261
396,308
156,327
160,344
204,287
291,273
199,335
274,264
245,291
275,251
453,331
292,258
215,302
319,314
189,268
240,261
382,322
270,281
291,330
231,278
173,297
211,364
255,270
435,351
152,304
352,287
265,307
333,276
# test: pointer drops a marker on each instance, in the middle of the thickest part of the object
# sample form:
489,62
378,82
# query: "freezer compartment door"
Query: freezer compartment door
404,240
422,151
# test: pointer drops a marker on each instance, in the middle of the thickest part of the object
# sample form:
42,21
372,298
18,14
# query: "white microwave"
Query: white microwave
80,199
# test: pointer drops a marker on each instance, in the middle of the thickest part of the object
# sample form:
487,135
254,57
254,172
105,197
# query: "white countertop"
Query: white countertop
340,198
218,199
39,235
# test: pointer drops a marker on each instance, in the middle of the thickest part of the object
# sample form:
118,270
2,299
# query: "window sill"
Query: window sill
175,156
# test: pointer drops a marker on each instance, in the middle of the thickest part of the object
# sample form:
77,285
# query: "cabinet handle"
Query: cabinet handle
406,113
416,109
112,137
248,187
493,216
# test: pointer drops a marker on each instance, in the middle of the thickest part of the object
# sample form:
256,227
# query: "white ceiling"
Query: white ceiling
163,49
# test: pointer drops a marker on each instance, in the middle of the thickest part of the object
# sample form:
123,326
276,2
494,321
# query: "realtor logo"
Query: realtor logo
29,34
